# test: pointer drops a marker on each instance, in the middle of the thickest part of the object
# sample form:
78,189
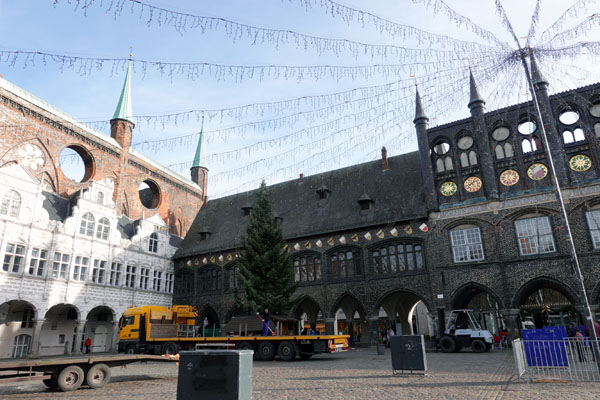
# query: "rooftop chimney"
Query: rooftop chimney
384,159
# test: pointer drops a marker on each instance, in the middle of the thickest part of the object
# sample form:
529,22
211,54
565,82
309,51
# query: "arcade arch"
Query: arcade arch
310,315
208,321
17,323
350,317
546,302
485,305
405,312
100,327
59,333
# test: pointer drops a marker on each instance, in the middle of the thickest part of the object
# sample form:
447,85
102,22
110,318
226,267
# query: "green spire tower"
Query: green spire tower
121,125
199,172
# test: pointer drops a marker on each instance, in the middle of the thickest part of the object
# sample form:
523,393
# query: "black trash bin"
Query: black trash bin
215,374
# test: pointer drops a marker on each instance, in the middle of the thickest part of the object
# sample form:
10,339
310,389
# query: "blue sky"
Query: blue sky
41,25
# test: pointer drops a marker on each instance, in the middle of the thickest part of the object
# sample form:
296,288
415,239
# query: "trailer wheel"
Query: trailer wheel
131,349
70,378
287,351
478,346
266,351
170,349
51,382
98,376
448,344
245,346
305,356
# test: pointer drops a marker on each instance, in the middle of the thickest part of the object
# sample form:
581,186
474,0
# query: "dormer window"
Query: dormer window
204,235
365,202
247,208
87,224
11,204
153,243
323,192
100,197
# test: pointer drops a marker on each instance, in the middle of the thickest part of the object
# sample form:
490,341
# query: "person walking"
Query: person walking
390,333
88,345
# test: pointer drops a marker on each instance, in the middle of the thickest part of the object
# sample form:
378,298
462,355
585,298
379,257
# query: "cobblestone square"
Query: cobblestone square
357,374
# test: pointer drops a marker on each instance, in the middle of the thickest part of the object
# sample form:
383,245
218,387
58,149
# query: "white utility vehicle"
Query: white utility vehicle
462,330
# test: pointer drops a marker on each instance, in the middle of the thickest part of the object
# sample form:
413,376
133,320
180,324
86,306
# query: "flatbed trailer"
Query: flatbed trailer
162,330
69,373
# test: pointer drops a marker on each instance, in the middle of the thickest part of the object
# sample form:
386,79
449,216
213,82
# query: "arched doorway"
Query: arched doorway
99,327
59,330
405,312
485,305
208,321
16,321
308,312
350,318
546,303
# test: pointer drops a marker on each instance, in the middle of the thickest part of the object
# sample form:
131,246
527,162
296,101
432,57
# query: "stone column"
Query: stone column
373,322
34,347
329,327
115,338
80,327
513,322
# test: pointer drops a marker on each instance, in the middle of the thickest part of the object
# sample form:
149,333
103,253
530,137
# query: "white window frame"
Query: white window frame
467,244
115,274
144,278
168,282
156,280
80,268
130,276
153,243
593,219
11,204
103,228
38,261
60,265
14,256
98,271
86,227
529,236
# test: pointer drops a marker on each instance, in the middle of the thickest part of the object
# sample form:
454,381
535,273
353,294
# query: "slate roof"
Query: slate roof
397,194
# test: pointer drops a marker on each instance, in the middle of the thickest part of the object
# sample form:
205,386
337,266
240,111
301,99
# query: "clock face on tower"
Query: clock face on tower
580,163
537,171
448,188
472,184
509,177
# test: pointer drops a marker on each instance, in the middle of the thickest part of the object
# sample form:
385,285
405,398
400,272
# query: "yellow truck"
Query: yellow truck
167,330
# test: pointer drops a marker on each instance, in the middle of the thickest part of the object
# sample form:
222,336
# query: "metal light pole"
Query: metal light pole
559,198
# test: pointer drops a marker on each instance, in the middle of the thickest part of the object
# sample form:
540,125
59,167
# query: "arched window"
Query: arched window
397,257
307,268
153,243
531,145
87,224
11,204
448,163
21,346
468,159
508,150
466,244
100,197
439,164
103,228
345,263
499,150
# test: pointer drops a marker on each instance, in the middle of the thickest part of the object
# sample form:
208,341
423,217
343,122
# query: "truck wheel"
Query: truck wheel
478,346
131,349
286,351
448,344
51,382
305,356
266,351
70,378
245,346
98,376
170,349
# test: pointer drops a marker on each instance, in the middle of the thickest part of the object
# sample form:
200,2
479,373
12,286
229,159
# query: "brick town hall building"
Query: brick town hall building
470,220
77,254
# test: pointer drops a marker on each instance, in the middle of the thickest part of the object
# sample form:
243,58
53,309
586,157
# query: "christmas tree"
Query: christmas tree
265,266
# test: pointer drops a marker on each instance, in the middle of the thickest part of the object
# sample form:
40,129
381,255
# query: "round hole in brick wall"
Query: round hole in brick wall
76,163
149,193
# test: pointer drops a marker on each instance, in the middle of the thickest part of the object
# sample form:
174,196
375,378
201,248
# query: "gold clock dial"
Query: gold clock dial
580,163
472,184
537,171
448,188
509,177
